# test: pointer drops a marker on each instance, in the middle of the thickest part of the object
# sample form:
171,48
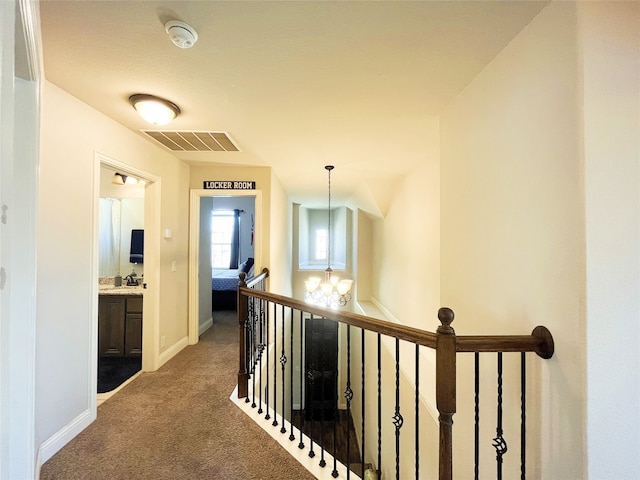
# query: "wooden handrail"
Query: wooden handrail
540,341
410,334
445,342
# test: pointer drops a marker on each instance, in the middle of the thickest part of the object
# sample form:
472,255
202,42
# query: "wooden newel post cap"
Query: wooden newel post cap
446,316
243,277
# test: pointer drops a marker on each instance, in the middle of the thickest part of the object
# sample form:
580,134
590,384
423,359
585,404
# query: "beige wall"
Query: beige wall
72,133
280,245
610,39
406,266
512,244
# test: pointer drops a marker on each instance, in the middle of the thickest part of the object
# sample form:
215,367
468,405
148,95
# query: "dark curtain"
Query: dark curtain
235,240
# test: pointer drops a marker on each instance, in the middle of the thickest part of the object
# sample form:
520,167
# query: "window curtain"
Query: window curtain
235,240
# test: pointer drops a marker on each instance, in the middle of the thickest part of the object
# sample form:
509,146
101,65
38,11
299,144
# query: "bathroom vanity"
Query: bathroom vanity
120,322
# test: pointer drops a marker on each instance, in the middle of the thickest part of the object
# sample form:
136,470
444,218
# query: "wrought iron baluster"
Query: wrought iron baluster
348,394
312,380
397,417
523,416
476,436
322,393
335,473
417,387
260,352
499,442
266,383
275,366
379,408
254,350
283,362
362,341
302,406
292,437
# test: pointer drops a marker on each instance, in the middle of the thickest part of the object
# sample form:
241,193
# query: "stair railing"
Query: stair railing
272,325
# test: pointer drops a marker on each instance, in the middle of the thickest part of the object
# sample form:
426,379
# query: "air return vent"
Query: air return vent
194,141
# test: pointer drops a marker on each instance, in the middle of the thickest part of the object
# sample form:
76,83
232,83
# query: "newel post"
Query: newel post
243,311
446,389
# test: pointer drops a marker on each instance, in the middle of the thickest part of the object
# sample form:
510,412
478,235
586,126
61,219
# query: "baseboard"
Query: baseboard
173,350
205,326
53,444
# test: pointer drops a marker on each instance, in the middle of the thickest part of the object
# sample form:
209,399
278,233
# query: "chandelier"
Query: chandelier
333,292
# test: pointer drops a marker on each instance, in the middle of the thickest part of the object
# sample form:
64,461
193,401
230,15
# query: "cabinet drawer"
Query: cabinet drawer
134,304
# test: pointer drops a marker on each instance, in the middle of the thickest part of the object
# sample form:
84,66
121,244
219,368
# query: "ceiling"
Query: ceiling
297,84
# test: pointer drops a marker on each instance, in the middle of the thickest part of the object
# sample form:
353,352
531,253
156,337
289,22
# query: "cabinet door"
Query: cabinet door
133,335
111,311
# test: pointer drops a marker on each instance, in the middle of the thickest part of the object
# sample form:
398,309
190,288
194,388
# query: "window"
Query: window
221,238
321,244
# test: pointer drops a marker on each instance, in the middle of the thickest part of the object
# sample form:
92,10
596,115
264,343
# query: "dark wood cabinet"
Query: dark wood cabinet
120,326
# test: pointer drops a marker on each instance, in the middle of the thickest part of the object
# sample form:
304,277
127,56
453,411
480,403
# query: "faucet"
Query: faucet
131,281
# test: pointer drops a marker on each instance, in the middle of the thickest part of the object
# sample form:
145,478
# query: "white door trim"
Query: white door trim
194,247
151,298
19,157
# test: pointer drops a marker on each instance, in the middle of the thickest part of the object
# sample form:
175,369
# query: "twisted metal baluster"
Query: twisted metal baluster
397,417
348,394
310,407
362,341
379,408
266,383
499,442
254,350
417,381
523,416
292,437
301,410
275,366
322,462
476,447
260,351
283,362
335,473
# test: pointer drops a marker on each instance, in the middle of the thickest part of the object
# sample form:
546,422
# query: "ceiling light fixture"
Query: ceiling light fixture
182,35
119,179
333,292
155,110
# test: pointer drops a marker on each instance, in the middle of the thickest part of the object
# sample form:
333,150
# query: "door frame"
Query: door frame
20,108
151,297
194,247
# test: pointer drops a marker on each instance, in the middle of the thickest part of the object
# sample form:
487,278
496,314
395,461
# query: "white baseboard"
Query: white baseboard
205,326
59,439
173,350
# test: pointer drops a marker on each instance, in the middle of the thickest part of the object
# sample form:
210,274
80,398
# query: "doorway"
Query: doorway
139,210
200,273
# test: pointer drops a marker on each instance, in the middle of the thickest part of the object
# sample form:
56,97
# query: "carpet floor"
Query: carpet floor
178,423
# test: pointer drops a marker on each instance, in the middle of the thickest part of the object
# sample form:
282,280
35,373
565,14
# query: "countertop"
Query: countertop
123,290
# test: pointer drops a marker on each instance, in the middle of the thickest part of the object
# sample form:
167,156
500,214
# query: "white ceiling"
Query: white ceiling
296,84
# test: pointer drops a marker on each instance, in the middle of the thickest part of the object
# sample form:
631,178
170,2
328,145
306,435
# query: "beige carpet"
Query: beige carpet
178,423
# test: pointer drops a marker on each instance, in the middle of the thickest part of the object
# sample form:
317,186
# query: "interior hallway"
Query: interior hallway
178,422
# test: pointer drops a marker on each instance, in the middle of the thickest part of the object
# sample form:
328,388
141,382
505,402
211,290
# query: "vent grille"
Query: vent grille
194,141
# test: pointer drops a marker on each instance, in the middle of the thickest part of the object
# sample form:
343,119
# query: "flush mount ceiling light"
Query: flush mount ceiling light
182,35
155,110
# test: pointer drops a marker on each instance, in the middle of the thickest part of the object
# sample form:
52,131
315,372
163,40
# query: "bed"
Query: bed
224,285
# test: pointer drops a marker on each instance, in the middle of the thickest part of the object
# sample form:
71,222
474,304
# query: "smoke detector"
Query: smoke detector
182,35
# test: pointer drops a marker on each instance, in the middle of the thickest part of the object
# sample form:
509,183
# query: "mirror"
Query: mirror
121,212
